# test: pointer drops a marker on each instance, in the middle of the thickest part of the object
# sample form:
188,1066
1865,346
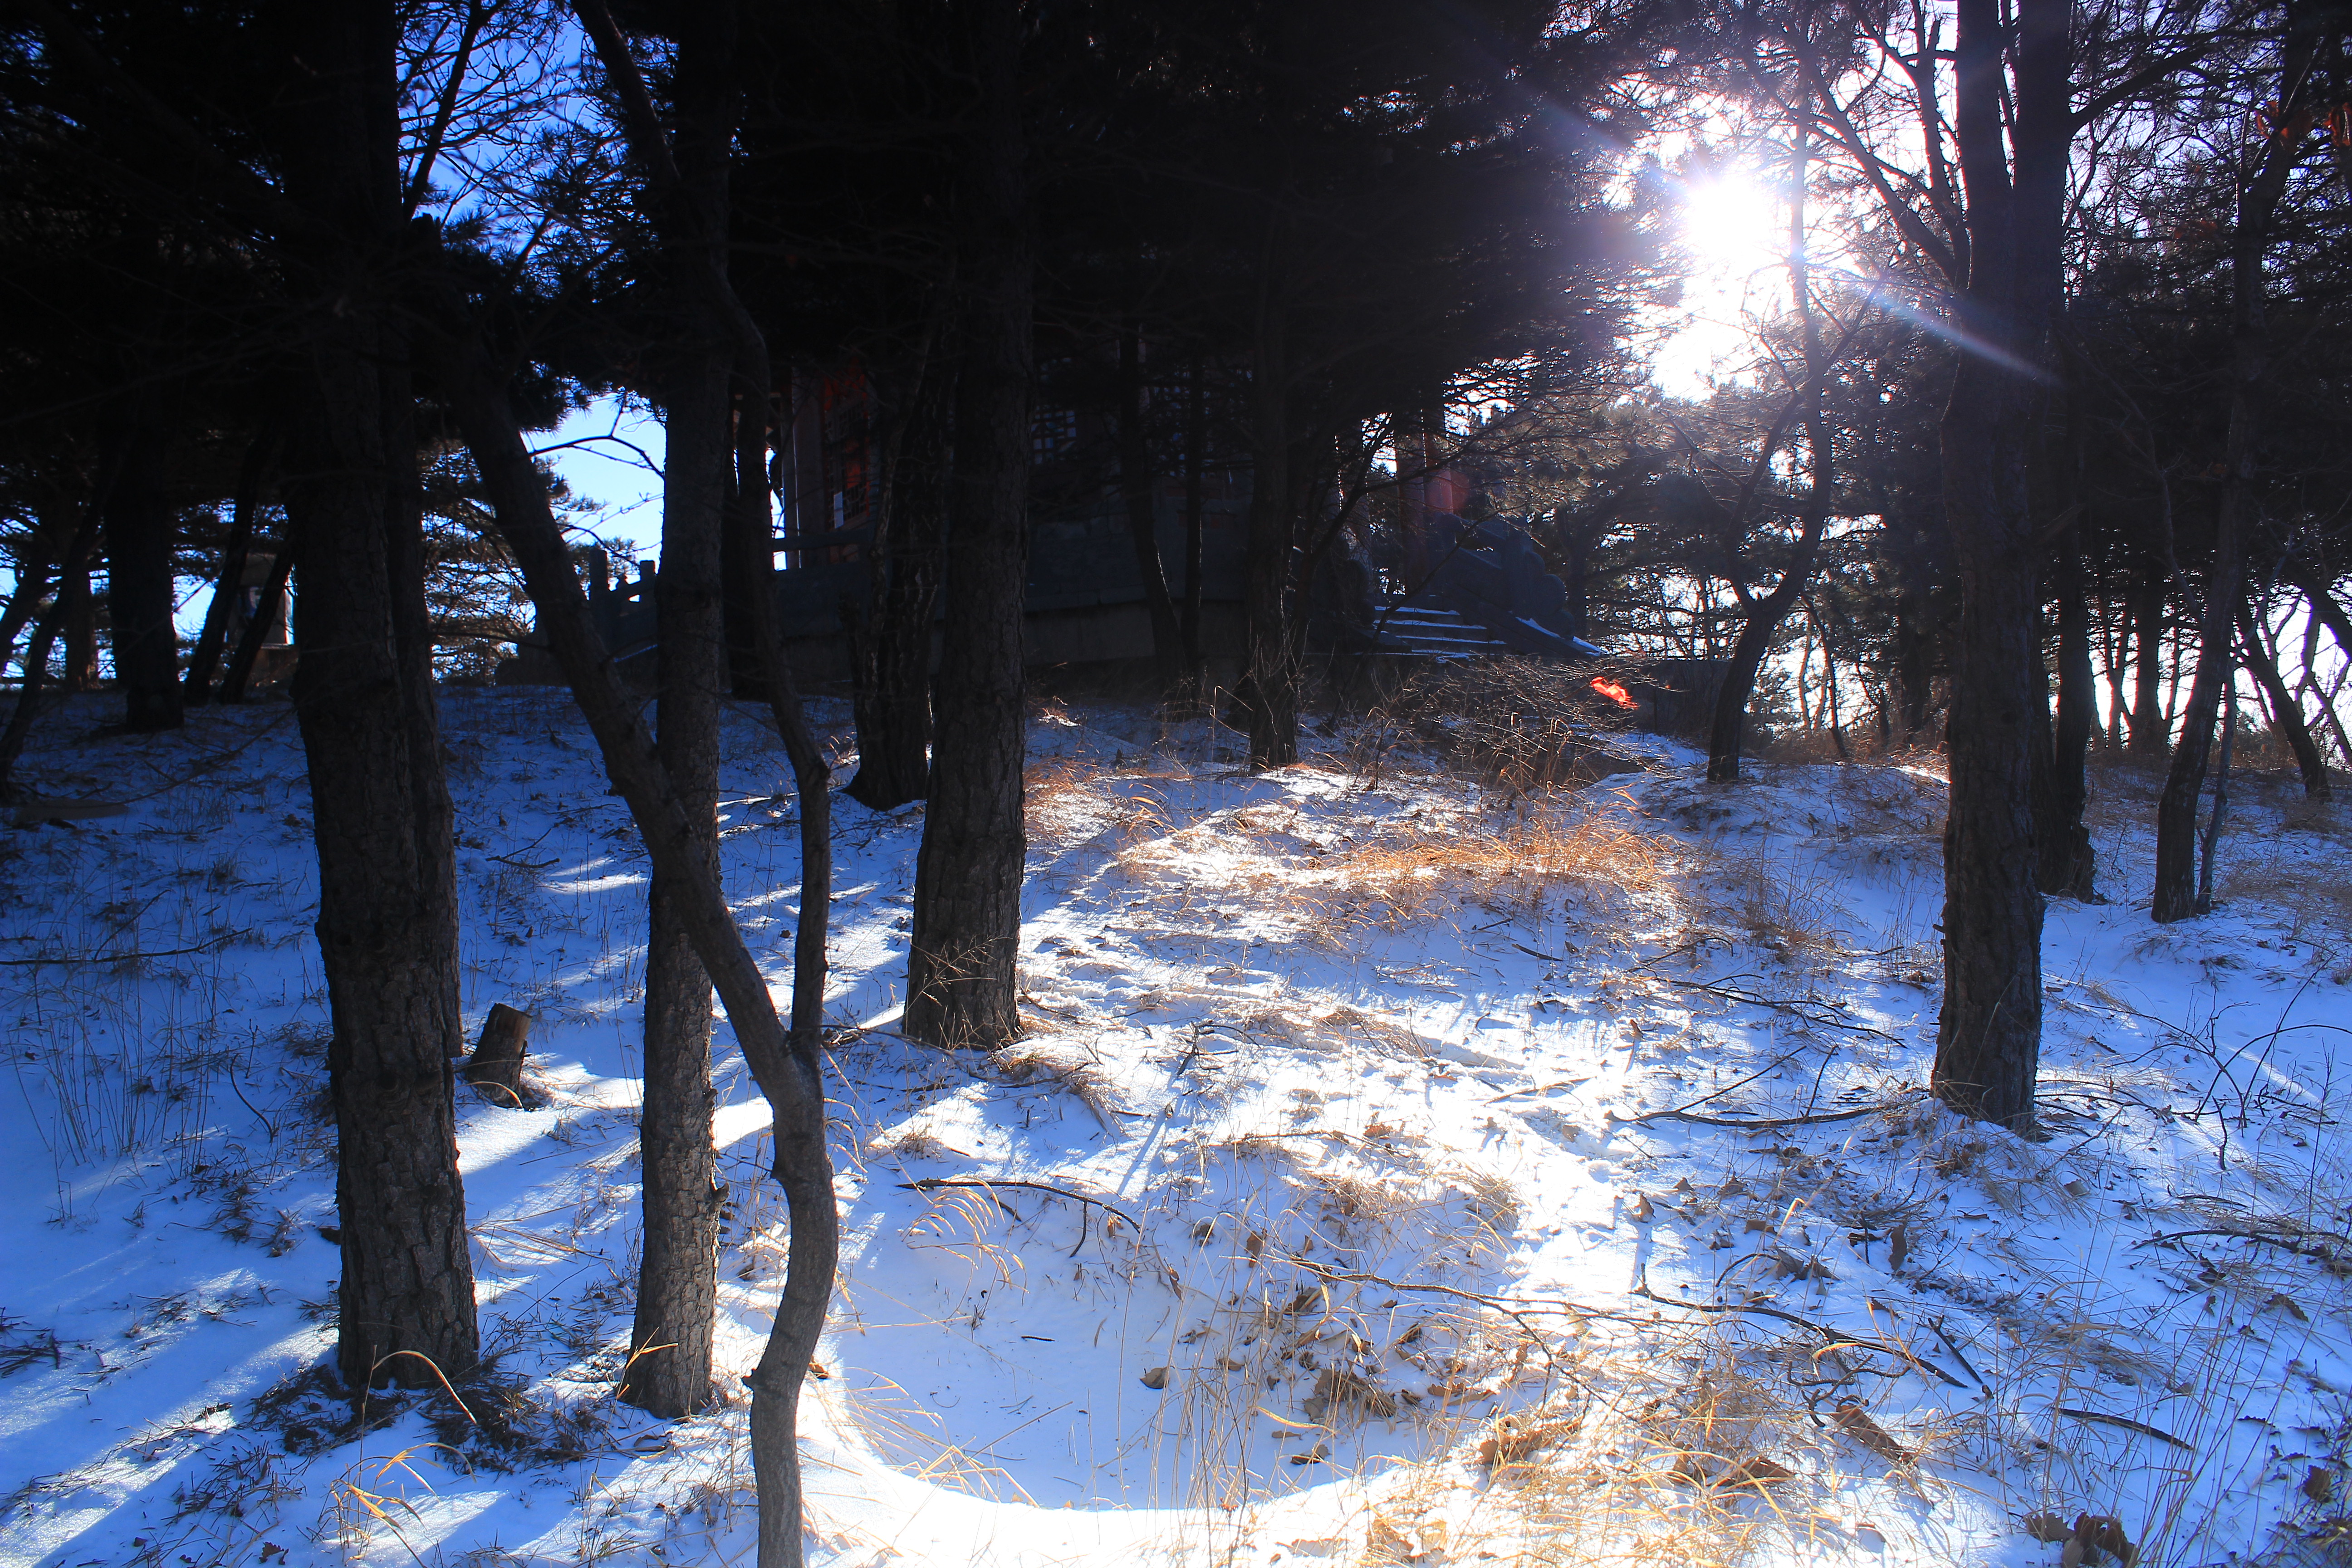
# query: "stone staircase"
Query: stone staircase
1427,631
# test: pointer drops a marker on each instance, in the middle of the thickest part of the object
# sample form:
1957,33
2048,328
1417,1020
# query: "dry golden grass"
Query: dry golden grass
1521,725
1526,859
1085,1079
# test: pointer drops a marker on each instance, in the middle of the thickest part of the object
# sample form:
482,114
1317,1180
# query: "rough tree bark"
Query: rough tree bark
707,635
2044,130
381,814
788,1067
1989,1037
960,983
677,1280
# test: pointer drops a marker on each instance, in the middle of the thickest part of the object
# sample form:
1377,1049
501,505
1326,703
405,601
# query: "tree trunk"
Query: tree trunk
737,542
677,1276
78,625
2323,608
2287,713
709,622
139,541
197,688
36,652
1988,1036
263,624
2067,865
2151,732
891,693
386,922
788,1068
33,585
961,985
1135,487
496,1067
1762,618
1270,680
1908,650
2176,813
1196,435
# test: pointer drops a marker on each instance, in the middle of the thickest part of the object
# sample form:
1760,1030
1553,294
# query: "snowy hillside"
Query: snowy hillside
1395,1171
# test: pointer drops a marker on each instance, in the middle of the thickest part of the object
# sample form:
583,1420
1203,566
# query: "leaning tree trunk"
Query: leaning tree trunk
204,661
2284,708
386,921
1764,617
37,654
33,586
709,640
787,1066
2176,813
961,987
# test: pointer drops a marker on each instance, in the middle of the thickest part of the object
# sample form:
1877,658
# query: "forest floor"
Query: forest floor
1396,1170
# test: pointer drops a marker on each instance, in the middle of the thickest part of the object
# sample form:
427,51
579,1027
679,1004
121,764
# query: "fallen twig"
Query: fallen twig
932,1183
2128,1424
1938,1324
218,942
2301,1248
1737,1121
1831,1339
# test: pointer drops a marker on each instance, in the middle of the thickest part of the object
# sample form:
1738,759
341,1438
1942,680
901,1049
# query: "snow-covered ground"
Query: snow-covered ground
1328,1216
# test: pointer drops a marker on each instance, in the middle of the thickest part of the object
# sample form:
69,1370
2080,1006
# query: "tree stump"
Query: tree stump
496,1065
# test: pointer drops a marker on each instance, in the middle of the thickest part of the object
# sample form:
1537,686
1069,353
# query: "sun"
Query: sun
1733,224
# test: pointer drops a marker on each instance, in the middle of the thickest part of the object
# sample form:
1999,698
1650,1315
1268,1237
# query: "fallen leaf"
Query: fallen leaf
1855,1423
1386,1545
2281,1302
1640,1209
2048,1527
1156,1378
1757,1472
2099,1538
